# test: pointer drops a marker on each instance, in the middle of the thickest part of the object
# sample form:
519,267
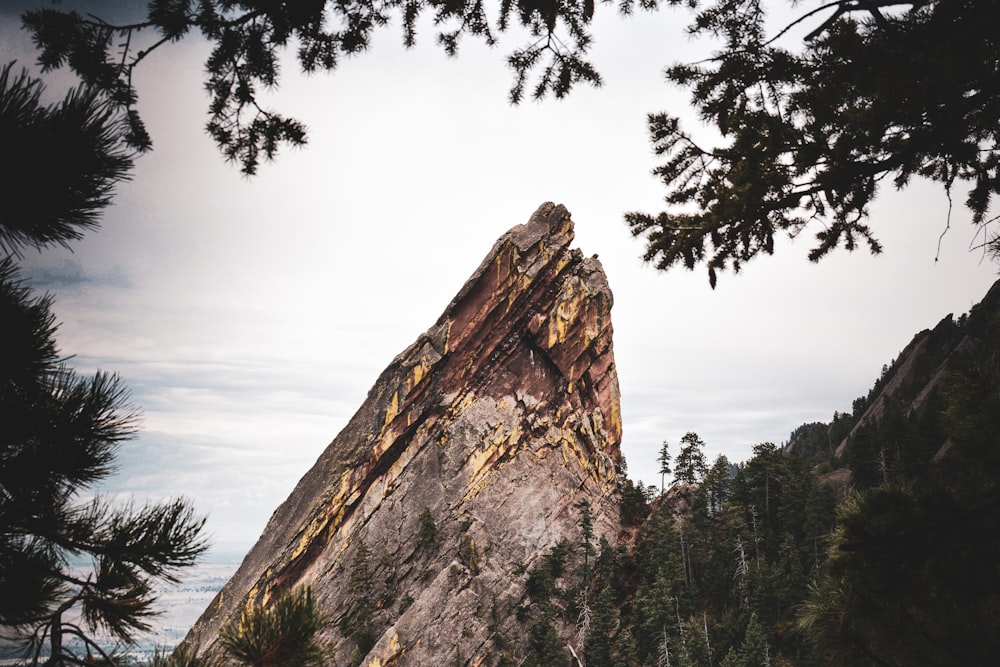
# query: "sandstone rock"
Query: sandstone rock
495,423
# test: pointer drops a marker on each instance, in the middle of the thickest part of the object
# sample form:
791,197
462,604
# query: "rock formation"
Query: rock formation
463,467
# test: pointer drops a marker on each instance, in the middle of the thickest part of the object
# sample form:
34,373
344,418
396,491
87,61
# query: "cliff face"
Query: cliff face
461,469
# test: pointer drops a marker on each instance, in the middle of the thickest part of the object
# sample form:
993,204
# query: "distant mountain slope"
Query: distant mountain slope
910,389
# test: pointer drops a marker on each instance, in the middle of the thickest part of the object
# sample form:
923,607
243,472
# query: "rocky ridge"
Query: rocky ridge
923,366
464,466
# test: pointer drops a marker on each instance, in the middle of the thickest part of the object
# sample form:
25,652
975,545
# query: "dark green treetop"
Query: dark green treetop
362,602
690,465
717,483
663,458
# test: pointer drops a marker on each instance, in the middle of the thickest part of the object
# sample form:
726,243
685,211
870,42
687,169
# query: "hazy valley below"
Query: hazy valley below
182,603
179,605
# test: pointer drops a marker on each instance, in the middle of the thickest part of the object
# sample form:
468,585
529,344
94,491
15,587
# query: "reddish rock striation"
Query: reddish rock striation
495,423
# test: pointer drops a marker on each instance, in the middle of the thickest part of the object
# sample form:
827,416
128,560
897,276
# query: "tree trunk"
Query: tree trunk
55,640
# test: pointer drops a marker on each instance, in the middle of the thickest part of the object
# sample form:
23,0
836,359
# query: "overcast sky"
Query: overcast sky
250,317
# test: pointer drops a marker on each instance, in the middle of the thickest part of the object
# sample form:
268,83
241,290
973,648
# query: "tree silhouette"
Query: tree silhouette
72,564
59,436
880,90
61,162
876,93
663,458
248,36
690,465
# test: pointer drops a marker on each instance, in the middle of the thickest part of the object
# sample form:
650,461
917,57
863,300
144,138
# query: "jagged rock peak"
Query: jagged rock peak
462,468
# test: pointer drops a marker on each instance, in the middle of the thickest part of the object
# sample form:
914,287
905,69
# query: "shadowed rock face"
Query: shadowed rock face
495,423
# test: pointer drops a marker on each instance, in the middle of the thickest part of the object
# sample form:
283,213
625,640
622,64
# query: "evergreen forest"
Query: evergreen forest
868,540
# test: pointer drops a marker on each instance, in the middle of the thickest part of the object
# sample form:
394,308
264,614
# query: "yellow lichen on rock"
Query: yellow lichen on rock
485,459
415,374
251,596
507,262
571,451
391,410
615,419
565,313
419,372
395,652
324,519
585,445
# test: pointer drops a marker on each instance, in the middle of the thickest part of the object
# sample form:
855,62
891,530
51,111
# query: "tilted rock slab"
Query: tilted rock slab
498,421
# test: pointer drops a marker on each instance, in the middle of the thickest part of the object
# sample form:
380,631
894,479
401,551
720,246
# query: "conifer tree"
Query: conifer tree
753,651
358,619
597,647
587,535
61,162
690,466
59,437
658,548
759,485
695,648
716,485
428,529
626,651
283,633
544,648
664,460
654,613
59,431
927,72
589,551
